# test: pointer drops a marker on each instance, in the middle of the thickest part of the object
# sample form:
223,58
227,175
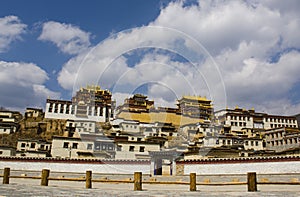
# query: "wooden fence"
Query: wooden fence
138,182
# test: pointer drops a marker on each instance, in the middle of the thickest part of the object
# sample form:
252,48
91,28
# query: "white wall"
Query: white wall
126,154
109,168
64,115
243,168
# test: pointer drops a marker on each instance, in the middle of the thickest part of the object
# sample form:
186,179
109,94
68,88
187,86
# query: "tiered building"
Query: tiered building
190,110
137,103
195,106
90,103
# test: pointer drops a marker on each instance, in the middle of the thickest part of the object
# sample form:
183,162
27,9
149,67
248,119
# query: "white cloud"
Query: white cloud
243,37
22,85
68,38
259,81
11,29
106,64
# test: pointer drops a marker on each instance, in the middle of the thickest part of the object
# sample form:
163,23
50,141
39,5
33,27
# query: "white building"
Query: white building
238,119
130,126
88,145
68,147
59,109
7,151
33,148
234,141
9,121
135,149
82,126
34,113
282,139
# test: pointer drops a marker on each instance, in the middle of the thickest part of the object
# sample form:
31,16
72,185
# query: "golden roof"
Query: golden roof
199,98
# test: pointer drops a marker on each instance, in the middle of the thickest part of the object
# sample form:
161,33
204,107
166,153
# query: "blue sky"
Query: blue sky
100,18
243,53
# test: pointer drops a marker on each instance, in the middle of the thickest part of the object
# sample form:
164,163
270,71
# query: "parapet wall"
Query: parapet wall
263,165
76,165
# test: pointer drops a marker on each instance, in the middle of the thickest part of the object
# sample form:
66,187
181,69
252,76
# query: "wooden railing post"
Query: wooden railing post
88,179
193,182
45,176
6,174
251,181
137,181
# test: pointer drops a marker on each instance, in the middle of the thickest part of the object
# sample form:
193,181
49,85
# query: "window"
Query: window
131,148
67,109
246,143
32,145
23,145
42,146
110,147
56,109
66,145
142,149
139,139
89,146
119,148
228,142
101,111
75,145
61,109
1,152
217,141
256,143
